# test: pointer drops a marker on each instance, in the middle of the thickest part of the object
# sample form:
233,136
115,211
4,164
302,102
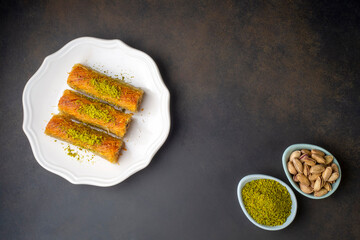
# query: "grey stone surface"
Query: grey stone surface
247,79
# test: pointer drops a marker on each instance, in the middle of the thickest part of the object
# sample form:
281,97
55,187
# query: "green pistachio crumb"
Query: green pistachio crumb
267,201
84,136
95,112
105,86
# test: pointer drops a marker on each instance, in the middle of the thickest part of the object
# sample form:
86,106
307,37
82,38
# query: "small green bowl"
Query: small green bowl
300,146
253,177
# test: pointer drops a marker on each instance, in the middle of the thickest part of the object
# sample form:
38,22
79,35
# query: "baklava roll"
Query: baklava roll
102,144
93,112
98,85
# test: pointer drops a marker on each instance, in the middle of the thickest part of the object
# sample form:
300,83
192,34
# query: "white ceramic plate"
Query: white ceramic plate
146,134
253,177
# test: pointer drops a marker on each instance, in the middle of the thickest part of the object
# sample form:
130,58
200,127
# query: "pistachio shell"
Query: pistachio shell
314,176
318,158
328,159
306,170
327,173
302,179
322,182
306,189
302,157
317,169
321,192
333,177
309,161
295,178
295,154
305,151
317,185
312,183
315,151
334,167
291,168
328,187
297,164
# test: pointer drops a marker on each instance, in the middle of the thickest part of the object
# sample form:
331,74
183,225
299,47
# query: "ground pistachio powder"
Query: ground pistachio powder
267,201
95,112
106,86
85,136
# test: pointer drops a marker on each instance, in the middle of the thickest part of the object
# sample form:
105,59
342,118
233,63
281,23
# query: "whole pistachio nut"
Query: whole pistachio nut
309,161
328,187
328,159
305,151
318,152
295,178
321,192
295,154
297,164
302,157
291,168
302,179
318,158
317,169
334,167
317,185
314,176
306,170
333,176
327,173
306,189
322,182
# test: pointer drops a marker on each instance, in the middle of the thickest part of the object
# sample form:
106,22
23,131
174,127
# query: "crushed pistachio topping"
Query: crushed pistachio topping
94,112
267,201
104,86
84,136
71,152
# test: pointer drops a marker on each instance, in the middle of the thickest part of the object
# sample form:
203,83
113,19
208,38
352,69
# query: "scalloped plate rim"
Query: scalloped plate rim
151,150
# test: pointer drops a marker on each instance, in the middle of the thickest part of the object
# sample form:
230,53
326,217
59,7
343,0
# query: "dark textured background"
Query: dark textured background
247,79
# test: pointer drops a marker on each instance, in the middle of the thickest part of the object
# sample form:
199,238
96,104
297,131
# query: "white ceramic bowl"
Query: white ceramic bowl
300,146
252,177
